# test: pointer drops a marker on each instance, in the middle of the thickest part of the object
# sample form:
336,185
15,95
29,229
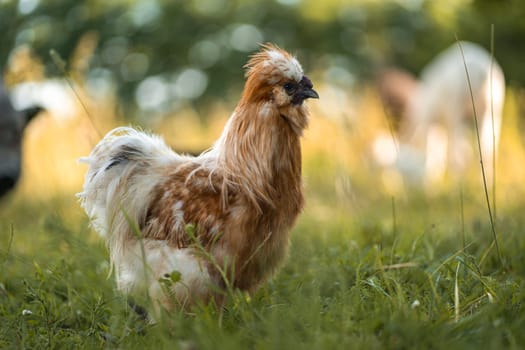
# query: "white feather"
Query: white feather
138,272
124,168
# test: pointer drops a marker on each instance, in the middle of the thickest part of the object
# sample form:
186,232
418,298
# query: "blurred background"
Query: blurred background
175,67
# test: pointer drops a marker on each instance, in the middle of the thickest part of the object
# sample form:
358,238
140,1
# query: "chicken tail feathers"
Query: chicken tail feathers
124,168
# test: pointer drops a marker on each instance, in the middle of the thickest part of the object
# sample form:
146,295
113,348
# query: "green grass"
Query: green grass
351,281
366,270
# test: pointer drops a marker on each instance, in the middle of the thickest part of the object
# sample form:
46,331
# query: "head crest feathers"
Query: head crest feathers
271,60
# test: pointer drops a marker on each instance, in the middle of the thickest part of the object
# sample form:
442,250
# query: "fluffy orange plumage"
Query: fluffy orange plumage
242,196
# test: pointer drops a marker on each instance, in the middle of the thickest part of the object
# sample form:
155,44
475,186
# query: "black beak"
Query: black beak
309,93
305,90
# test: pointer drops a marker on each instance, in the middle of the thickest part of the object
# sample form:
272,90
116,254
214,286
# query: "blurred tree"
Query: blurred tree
507,16
161,54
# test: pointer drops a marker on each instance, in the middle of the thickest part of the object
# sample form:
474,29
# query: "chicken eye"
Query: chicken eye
290,88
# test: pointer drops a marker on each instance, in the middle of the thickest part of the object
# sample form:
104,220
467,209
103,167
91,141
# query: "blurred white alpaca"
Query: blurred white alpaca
435,120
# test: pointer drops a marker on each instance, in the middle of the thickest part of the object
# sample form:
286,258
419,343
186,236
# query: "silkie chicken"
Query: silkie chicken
239,199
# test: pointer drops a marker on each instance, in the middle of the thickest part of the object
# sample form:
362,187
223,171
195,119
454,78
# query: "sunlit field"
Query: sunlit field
373,264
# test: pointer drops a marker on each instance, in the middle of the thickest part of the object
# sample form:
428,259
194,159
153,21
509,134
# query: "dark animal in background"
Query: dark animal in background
12,125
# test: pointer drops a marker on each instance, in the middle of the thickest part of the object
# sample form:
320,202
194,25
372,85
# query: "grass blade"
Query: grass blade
485,187
456,294
492,121
61,65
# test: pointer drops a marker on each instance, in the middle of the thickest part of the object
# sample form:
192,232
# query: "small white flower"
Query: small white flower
415,304
26,312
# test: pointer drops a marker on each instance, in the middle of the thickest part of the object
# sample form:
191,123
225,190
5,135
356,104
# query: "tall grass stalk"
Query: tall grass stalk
394,219
456,294
483,173
492,120
61,66
10,243
462,211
